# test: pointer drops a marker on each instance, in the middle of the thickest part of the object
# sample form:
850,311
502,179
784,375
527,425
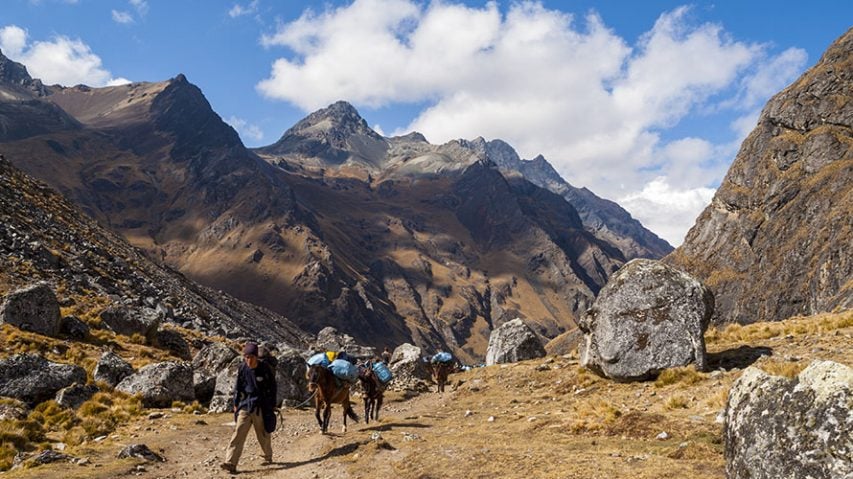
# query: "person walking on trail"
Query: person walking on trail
386,356
254,399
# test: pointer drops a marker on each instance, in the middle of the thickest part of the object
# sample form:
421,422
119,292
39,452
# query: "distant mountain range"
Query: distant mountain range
389,239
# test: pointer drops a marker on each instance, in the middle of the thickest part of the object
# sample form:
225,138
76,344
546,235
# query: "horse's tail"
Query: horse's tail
351,413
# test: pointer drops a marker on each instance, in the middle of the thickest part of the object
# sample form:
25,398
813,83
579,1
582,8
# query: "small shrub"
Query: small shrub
685,375
677,402
784,369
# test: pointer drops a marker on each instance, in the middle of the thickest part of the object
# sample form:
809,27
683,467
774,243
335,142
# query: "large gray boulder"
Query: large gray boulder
408,368
511,342
290,376
34,309
126,321
223,391
207,364
33,379
161,383
649,317
111,369
779,428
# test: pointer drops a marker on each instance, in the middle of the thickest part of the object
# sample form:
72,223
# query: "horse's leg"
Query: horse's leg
317,404
367,408
327,414
345,406
377,406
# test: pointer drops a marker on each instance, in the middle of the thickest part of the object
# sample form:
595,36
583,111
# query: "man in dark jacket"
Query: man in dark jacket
254,397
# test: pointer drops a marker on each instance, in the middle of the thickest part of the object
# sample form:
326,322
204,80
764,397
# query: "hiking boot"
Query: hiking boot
267,462
228,467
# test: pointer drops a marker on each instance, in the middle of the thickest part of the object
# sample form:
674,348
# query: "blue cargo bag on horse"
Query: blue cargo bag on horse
344,370
383,374
319,359
442,357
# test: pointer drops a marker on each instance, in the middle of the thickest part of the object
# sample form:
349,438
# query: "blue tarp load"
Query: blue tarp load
382,372
442,357
344,370
319,359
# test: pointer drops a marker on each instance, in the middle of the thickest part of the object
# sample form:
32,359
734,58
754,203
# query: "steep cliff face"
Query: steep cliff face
775,241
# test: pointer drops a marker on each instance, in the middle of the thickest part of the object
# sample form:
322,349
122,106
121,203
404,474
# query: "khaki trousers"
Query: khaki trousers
245,421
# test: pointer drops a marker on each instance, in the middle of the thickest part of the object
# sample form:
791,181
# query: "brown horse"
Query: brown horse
328,390
440,371
373,393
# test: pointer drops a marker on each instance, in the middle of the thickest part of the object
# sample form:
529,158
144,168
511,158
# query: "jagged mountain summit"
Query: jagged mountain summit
387,239
776,239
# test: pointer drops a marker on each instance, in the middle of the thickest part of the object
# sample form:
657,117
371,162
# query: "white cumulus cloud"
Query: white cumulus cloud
61,60
122,17
245,129
665,209
239,10
596,106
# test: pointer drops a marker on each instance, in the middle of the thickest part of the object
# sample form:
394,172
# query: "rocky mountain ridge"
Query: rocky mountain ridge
775,241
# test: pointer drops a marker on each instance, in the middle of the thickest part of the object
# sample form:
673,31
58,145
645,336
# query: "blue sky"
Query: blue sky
644,102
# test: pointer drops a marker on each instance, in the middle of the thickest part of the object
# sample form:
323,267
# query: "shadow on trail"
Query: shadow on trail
336,452
388,427
739,357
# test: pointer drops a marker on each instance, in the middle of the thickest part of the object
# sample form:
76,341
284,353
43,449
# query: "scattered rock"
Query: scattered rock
174,342
34,309
329,339
33,379
161,383
73,328
125,321
649,317
790,428
49,456
111,369
663,436
15,410
75,395
511,342
140,451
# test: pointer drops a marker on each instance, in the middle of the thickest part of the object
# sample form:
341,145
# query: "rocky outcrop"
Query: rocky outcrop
111,369
775,241
511,342
33,379
778,428
34,309
223,391
649,317
160,384
208,362
75,395
329,339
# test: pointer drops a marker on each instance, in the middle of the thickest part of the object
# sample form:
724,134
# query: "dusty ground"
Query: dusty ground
542,418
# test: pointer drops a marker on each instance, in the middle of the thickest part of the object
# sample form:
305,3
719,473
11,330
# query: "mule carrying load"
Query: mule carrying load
441,365
329,378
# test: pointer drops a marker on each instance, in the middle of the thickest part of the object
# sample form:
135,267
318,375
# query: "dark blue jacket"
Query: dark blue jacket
255,388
